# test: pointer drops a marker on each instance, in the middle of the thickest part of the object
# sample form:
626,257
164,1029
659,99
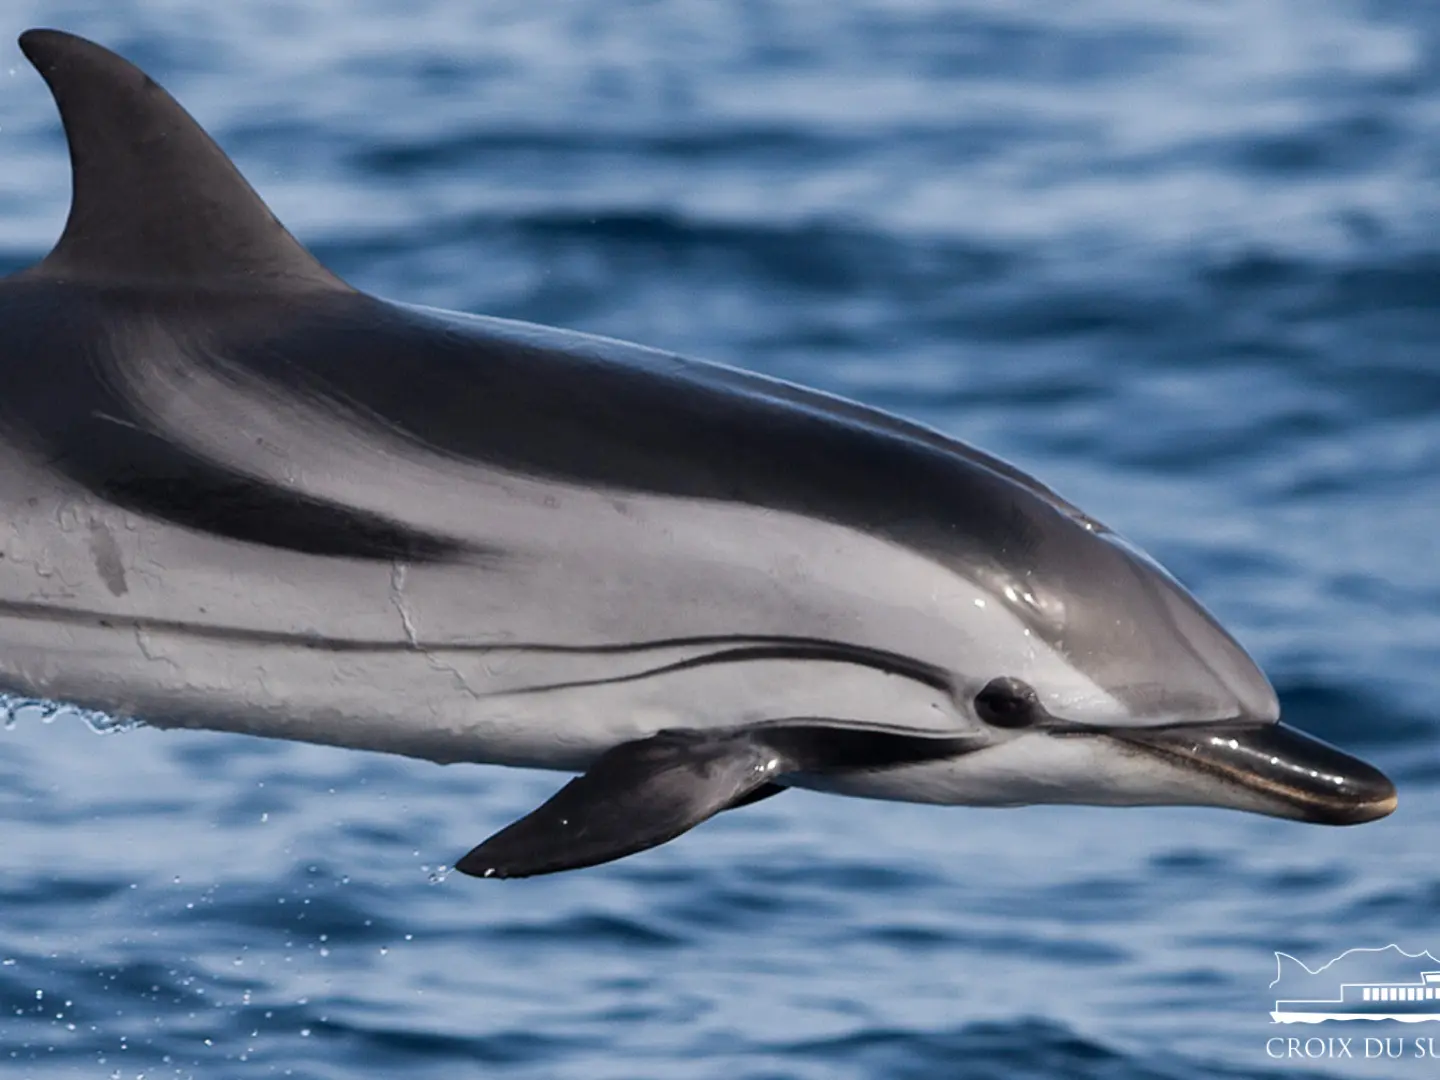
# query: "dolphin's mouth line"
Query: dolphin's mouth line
1305,777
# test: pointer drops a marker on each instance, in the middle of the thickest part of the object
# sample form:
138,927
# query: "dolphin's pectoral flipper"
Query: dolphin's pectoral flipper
636,796
640,794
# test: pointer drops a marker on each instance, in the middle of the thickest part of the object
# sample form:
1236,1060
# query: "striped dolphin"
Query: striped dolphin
238,494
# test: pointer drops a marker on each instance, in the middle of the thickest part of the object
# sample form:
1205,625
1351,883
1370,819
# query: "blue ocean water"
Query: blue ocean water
1180,259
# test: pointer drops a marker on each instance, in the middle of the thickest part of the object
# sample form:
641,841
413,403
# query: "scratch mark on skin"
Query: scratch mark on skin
115,420
142,640
397,597
412,636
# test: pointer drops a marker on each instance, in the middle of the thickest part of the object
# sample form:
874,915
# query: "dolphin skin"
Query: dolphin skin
238,494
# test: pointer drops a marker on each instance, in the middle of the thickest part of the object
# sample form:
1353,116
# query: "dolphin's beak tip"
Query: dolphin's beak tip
1384,807
1377,798
1365,793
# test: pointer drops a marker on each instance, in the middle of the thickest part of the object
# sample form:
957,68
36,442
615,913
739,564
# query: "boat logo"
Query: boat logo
1359,984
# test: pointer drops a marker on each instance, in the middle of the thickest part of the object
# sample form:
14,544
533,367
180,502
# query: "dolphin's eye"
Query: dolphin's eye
1008,703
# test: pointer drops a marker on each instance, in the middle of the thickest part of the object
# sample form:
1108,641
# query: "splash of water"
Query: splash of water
11,709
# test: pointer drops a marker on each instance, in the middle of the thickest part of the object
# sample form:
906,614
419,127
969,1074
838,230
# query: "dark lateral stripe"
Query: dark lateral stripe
833,652
824,746
735,647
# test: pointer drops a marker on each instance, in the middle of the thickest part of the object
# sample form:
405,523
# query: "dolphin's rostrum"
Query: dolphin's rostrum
238,494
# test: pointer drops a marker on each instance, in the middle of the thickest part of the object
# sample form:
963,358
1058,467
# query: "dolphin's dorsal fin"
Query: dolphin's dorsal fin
154,200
